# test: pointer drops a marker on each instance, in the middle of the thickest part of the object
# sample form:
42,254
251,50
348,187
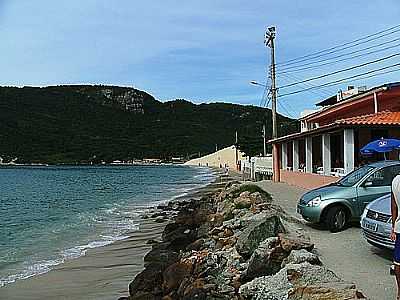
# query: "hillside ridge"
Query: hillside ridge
95,123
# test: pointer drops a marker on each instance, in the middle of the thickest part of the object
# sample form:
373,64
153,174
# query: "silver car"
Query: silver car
376,222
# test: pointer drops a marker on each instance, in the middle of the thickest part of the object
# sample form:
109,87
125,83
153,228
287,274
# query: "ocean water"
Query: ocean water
52,214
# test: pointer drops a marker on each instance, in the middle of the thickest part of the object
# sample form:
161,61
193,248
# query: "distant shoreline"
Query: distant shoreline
10,166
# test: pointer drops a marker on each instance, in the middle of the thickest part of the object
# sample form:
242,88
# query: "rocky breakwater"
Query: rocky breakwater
235,243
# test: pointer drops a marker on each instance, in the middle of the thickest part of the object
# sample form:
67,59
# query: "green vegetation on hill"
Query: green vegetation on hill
69,124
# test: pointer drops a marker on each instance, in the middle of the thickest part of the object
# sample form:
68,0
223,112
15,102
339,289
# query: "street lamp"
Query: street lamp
256,83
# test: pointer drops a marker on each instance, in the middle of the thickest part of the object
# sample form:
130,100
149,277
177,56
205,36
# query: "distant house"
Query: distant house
330,138
152,160
178,160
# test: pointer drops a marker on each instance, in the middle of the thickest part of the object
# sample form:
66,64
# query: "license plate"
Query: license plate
371,226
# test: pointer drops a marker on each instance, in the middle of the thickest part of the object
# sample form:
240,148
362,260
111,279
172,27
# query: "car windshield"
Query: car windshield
355,176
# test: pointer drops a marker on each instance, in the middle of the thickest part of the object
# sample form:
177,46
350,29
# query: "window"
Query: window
355,176
384,177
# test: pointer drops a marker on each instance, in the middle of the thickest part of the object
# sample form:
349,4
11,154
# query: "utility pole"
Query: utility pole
265,140
236,151
270,35
270,42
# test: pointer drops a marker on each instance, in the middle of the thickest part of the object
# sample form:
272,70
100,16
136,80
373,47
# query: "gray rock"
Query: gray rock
256,198
300,281
300,256
244,194
267,287
243,201
294,241
256,232
265,260
335,290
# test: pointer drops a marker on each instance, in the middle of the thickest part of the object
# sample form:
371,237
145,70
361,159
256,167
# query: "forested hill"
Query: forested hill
69,124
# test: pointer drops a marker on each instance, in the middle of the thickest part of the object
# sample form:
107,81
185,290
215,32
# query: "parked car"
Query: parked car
345,200
376,222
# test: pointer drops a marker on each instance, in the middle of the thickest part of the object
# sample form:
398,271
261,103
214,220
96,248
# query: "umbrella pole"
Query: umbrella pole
384,155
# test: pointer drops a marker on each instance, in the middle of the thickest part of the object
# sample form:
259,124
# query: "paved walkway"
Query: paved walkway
346,253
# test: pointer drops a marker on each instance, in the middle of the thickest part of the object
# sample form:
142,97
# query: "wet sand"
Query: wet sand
103,273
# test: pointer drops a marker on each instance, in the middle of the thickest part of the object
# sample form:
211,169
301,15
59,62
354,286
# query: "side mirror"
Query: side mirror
367,183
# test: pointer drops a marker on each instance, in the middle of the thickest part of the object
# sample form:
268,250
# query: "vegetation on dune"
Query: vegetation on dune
82,124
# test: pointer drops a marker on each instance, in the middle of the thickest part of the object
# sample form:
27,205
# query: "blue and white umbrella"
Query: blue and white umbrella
381,146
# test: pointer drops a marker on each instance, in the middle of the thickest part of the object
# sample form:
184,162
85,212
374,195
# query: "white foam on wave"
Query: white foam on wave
37,268
78,251
115,230
45,266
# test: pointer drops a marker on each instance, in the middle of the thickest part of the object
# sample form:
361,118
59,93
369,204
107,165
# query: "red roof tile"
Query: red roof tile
380,118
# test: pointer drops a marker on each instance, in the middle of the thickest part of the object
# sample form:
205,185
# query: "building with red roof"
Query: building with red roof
331,137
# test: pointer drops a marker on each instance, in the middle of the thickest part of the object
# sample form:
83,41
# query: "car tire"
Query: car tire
336,219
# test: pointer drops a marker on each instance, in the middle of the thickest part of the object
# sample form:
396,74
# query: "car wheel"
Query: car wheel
336,219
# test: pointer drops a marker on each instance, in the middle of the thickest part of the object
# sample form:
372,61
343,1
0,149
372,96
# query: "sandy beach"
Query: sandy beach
103,273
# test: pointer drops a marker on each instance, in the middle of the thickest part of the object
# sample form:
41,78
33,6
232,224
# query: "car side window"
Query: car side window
395,171
382,177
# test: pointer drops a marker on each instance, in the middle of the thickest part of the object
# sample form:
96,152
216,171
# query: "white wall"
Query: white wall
222,157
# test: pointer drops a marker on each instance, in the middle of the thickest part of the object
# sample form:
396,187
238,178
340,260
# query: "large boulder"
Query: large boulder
143,296
179,236
265,260
269,225
326,291
300,281
225,208
267,287
192,217
161,255
294,241
146,283
243,201
175,274
300,256
316,282
195,290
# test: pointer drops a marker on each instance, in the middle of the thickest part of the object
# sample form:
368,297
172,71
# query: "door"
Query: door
376,185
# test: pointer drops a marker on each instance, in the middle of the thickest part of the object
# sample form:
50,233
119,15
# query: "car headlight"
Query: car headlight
314,202
364,214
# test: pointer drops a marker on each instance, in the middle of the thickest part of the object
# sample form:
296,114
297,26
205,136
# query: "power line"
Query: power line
341,71
342,80
285,109
263,95
329,60
298,78
323,93
367,77
344,46
336,61
358,79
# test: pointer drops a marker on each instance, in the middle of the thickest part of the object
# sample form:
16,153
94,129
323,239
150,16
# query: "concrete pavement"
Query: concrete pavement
346,253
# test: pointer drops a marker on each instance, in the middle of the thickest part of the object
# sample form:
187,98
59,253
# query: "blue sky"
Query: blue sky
203,51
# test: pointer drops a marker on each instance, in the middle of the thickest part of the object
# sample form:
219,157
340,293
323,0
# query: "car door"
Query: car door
376,185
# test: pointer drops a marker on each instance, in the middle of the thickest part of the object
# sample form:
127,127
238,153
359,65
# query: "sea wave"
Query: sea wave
31,270
117,222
